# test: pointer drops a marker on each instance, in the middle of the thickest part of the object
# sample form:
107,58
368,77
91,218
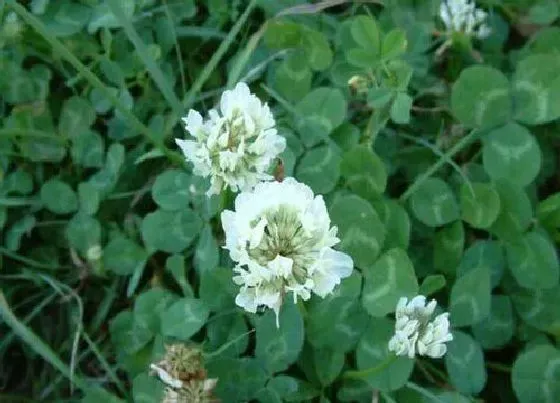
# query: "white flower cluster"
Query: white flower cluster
236,144
281,238
415,333
463,16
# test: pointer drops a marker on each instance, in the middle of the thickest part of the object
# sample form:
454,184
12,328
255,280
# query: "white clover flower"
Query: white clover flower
415,333
236,144
463,16
281,238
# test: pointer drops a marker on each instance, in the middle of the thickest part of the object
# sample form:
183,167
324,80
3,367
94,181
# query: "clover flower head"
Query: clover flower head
463,16
415,333
182,372
281,238
236,144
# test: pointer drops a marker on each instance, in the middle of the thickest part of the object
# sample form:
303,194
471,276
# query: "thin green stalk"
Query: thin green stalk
498,367
18,201
424,392
15,132
209,356
465,141
7,339
370,371
37,344
27,261
190,97
63,52
142,50
244,57
440,154
177,47
105,364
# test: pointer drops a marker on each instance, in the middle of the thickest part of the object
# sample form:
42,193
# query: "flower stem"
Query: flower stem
465,141
370,371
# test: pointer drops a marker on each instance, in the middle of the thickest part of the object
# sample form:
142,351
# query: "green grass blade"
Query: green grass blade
190,97
37,344
142,50
465,141
64,53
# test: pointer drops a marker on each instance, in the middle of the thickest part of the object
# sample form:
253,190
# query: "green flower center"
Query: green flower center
284,235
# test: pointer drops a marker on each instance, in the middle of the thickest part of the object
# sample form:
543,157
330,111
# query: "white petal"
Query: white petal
281,266
166,377
257,233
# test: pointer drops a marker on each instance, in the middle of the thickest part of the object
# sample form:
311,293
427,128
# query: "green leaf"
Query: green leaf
207,252
292,77
548,214
278,347
65,18
372,351
147,389
487,254
88,149
127,336
22,227
103,17
544,12
512,153
465,364
480,204
364,45
171,190
217,288
319,168
241,384
360,230
59,197
400,109
76,117
515,213
83,232
481,97
536,89
394,44
396,222
449,244
89,198
123,256
434,204
181,228
184,318
322,110
328,364
432,284
337,321
539,308
150,306
535,376
228,335
318,53
390,278
364,172
380,97
470,297
498,328
175,264
533,261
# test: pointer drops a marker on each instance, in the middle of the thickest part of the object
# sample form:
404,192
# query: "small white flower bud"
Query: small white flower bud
463,16
236,144
415,334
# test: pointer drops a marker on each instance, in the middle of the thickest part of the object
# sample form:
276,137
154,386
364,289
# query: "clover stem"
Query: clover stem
370,371
465,141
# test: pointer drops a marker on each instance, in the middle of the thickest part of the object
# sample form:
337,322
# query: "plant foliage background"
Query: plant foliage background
438,165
